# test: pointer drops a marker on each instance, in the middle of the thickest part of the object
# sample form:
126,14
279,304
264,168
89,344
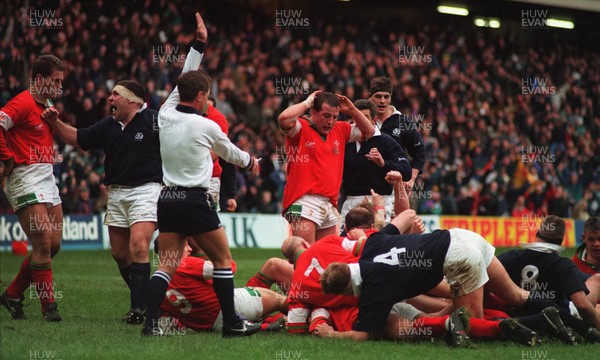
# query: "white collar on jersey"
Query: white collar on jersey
395,111
543,247
355,278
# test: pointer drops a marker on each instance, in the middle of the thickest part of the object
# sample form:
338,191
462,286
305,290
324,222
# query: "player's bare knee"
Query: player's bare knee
54,249
122,258
41,252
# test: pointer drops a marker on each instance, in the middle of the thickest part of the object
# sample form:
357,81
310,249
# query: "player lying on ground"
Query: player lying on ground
311,260
383,276
192,301
406,323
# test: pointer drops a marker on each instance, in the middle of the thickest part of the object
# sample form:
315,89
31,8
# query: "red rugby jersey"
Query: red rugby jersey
215,115
190,296
27,137
315,166
305,289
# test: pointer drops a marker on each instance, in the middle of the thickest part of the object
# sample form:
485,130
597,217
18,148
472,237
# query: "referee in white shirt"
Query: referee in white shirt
184,206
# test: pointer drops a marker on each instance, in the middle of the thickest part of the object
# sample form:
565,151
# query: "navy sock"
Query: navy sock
223,286
576,324
139,277
533,305
125,274
156,293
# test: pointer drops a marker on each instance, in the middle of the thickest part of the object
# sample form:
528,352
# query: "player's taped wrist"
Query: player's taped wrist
379,208
309,102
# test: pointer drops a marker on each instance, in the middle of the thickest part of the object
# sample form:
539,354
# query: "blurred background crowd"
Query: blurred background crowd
494,148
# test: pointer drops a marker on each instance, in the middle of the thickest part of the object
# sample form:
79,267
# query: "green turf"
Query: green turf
93,298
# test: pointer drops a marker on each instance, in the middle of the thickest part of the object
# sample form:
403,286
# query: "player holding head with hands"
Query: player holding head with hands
315,146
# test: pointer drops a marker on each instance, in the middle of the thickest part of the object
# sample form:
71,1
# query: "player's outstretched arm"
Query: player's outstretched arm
65,132
586,309
288,117
326,331
347,107
192,61
378,210
223,147
404,221
401,202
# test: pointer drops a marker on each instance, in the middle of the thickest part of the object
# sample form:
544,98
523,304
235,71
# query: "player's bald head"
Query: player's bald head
291,246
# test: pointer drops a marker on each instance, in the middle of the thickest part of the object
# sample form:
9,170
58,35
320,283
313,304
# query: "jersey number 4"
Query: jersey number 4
390,257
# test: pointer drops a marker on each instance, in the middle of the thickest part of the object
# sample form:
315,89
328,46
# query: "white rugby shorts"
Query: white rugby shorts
248,303
466,262
32,184
315,208
130,204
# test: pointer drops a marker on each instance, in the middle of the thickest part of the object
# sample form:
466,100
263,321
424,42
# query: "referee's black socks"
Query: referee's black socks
223,286
156,293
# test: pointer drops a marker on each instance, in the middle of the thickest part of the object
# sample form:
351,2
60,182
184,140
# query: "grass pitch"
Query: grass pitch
92,298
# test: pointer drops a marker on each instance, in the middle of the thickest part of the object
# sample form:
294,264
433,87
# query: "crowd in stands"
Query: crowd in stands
498,143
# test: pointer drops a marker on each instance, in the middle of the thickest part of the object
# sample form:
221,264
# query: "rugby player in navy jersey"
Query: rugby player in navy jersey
395,267
550,277
133,174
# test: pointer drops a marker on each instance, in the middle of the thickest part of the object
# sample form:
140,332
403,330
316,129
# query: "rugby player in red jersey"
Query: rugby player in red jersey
26,159
315,151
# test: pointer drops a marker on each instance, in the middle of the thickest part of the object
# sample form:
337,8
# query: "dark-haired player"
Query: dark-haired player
366,164
26,158
548,276
315,149
133,174
587,256
392,122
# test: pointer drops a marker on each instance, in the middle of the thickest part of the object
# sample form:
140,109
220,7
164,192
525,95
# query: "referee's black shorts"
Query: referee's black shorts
187,211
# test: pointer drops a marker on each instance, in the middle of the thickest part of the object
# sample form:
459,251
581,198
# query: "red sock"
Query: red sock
481,328
436,324
21,282
269,320
42,279
491,301
490,314
272,318
260,280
